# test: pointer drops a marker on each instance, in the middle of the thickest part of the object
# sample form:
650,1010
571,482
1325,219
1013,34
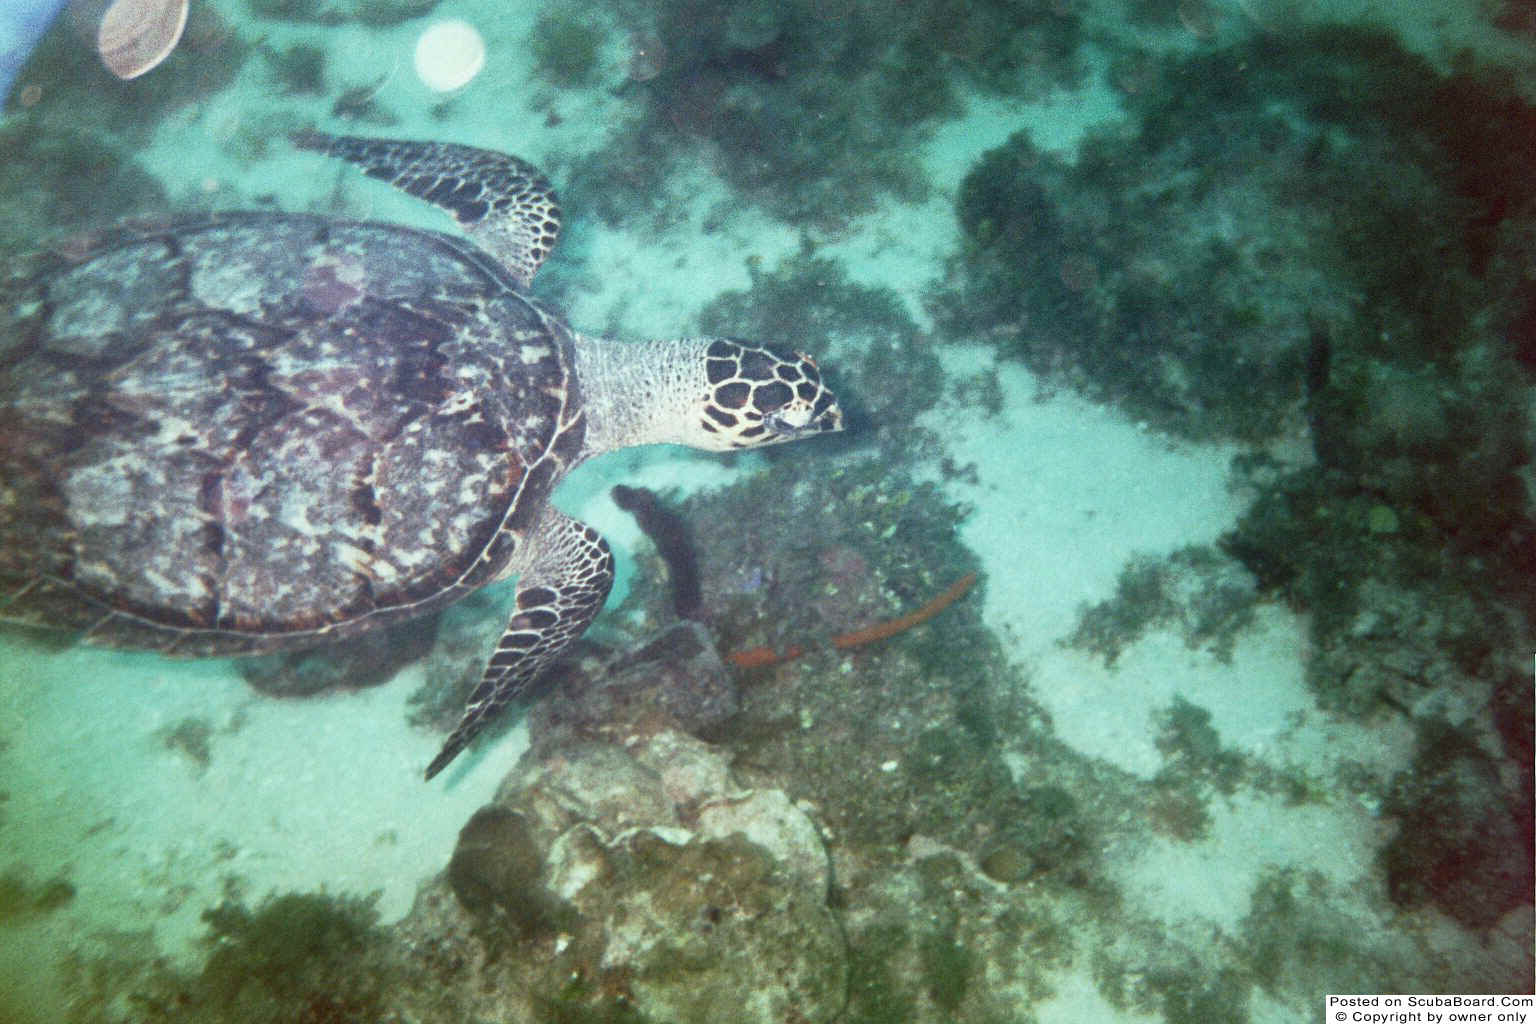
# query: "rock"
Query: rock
769,820
677,677
706,929
497,872
637,876
1459,845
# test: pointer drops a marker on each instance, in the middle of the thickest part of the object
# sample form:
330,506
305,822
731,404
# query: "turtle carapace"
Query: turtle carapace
256,432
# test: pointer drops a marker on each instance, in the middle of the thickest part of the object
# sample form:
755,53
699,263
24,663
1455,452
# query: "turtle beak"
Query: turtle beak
782,429
803,419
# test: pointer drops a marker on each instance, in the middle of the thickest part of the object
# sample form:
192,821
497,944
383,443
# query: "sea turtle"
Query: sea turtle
254,432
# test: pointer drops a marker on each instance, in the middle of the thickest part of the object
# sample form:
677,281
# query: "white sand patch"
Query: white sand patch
1259,703
1077,999
297,794
649,283
1066,492
1109,713
1250,834
1055,124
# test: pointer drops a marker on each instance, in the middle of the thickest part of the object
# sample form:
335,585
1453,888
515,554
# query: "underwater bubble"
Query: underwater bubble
448,55
647,57
136,35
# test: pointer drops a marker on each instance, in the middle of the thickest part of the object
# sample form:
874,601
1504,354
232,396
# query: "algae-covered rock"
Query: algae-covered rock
706,928
677,675
497,872
1459,845
636,878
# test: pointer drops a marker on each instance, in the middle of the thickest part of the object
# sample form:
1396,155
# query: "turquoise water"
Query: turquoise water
1201,333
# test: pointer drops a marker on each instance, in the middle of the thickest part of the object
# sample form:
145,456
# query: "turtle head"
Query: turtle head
715,394
757,395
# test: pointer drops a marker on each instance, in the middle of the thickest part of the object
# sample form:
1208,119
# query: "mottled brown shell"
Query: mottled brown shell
258,431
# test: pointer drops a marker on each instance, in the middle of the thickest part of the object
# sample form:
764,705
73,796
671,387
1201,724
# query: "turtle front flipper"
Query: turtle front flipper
558,596
504,203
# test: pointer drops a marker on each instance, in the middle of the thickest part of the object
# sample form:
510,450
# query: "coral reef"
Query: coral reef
1395,616
1182,272
299,958
1459,844
1309,233
296,956
1410,547
496,873
623,873
885,833
815,115
676,675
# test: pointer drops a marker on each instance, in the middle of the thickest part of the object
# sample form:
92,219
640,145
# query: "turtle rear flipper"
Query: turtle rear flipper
558,596
503,203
